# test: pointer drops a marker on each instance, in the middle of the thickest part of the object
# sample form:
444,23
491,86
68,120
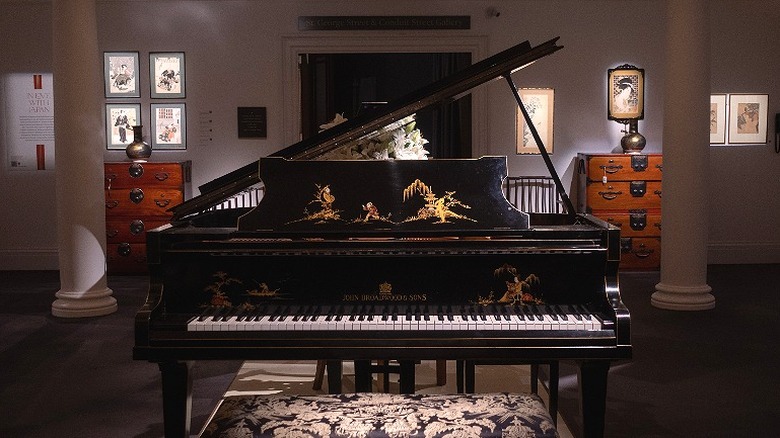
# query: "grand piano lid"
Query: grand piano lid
494,67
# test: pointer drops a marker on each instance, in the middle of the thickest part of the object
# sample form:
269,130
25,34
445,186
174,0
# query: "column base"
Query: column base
671,297
71,304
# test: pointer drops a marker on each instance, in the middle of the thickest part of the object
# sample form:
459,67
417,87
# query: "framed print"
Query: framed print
169,126
120,74
747,118
120,119
625,93
717,119
539,103
166,74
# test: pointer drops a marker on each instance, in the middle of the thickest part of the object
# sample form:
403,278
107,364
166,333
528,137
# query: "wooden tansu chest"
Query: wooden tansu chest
625,190
138,196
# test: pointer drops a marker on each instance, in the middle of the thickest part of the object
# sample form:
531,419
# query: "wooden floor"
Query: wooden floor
694,374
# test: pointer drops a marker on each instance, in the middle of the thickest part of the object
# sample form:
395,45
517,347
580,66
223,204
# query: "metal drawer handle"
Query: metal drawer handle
611,168
136,170
112,233
112,203
123,249
161,176
610,195
643,254
110,179
162,202
136,227
136,195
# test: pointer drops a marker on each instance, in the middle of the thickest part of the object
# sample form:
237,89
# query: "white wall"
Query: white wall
236,56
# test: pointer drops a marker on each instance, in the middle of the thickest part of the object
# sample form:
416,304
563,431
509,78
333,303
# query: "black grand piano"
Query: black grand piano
383,259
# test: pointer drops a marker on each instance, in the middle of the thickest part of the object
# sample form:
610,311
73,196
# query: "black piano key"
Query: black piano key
561,313
571,310
584,312
481,313
551,312
204,315
240,314
301,313
286,314
505,313
218,314
361,313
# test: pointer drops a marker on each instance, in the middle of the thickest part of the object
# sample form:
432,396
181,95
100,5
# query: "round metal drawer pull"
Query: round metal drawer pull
123,249
136,195
136,170
137,227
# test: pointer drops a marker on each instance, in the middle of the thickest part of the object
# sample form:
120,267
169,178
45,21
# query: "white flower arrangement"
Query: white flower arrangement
399,140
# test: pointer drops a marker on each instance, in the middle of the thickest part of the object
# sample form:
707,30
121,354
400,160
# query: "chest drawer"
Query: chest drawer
126,258
640,252
128,175
131,229
634,223
141,202
624,167
623,195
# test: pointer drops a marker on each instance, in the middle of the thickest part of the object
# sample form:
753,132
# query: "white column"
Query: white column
683,283
78,136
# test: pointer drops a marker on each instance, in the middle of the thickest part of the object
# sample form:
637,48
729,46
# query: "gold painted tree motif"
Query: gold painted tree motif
435,207
219,298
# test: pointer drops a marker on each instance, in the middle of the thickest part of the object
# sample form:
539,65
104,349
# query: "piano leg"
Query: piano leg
363,379
553,399
334,376
593,388
177,398
406,381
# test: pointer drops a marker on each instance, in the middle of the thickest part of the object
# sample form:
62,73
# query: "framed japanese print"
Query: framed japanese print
717,118
538,103
166,74
120,74
747,118
120,119
169,126
625,93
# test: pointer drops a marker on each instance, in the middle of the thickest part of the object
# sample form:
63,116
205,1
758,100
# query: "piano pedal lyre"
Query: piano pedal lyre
441,375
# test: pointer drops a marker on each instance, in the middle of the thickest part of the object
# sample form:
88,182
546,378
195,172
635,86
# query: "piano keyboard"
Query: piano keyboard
393,318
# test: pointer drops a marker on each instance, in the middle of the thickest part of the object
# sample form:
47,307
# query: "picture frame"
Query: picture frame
625,93
120,74
167,77
718,113
539,103
120,118
169,126
747,118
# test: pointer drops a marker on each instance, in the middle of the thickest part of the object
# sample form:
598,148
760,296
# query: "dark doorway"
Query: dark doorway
343,83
